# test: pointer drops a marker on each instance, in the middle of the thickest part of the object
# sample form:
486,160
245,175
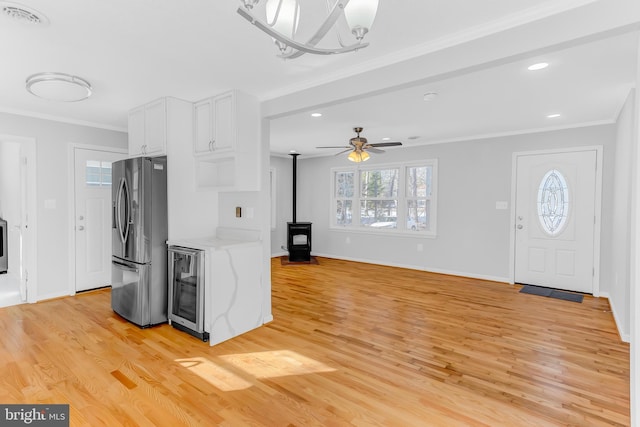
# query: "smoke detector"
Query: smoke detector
23,13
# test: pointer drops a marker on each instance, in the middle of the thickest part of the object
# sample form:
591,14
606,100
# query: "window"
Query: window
343,194
375,198
553,202
98,174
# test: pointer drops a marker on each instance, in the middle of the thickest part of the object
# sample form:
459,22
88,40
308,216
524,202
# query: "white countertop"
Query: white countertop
211,243
225,238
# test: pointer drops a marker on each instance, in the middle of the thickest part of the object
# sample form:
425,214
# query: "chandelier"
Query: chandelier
283,16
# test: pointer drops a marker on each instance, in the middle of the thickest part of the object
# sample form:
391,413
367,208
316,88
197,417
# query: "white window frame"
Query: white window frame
401,199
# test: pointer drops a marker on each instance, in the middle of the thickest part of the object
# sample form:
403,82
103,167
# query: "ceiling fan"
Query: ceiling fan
359,147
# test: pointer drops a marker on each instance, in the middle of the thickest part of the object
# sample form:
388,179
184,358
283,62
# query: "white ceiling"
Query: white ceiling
473,53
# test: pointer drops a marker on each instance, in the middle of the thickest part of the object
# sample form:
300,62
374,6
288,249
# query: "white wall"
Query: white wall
616,259
52,140
473,237
283,167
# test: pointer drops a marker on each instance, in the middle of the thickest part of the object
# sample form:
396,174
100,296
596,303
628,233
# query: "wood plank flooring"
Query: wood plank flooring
350,345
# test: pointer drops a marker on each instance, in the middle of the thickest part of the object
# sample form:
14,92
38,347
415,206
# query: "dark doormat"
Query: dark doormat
552,293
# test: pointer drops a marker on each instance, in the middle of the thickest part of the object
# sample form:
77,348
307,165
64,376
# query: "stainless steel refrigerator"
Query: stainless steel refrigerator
139,232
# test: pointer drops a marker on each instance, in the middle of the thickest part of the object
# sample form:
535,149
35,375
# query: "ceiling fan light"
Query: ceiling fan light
358,156
360,15
283,16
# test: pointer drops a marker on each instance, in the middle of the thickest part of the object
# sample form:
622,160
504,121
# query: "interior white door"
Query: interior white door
93,217
555,220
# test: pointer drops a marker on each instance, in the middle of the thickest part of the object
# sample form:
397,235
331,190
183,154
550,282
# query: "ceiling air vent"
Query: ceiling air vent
23,14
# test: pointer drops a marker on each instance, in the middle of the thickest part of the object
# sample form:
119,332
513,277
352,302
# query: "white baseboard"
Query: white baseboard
625,337
420,268
55,295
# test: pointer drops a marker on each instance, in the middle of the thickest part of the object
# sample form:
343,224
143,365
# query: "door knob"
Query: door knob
80,228
519,227
80,217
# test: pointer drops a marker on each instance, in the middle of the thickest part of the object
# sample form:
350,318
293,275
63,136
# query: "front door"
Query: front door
93,217
555,210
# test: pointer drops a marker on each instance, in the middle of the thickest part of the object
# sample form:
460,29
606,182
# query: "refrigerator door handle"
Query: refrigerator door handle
125,188
118,210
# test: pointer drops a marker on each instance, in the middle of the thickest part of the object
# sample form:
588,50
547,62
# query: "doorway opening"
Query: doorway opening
17,208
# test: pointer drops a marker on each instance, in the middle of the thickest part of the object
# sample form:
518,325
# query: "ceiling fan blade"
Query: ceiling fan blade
384,144
337,146
345,151
374,150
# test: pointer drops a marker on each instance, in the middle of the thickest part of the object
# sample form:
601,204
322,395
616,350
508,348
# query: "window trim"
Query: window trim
402,198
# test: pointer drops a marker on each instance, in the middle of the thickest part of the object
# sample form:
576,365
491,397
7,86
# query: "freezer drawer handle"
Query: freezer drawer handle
125,266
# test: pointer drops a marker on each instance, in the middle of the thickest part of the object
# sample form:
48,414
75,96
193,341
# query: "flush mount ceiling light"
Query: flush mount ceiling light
58,87
429,96
283,16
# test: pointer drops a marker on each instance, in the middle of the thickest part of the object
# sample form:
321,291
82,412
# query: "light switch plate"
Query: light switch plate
502,205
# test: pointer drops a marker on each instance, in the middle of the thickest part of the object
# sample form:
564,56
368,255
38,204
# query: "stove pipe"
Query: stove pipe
295,175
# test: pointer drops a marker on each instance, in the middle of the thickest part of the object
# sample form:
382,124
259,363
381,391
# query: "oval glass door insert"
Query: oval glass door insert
553,202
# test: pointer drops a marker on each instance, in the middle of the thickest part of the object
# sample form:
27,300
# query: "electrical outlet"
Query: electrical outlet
420,247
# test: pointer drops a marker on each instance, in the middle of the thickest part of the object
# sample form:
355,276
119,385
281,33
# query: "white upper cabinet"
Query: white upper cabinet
226,142
148,129
215,124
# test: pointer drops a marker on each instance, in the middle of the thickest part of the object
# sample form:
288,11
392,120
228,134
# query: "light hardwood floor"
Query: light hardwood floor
350,344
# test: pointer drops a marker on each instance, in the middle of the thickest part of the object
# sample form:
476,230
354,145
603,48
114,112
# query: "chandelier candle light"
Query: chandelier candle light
283,16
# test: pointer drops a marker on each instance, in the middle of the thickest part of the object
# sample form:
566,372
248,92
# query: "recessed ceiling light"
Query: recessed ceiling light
538,66
386,138
58,87
413,137
429,96
316,114
553,116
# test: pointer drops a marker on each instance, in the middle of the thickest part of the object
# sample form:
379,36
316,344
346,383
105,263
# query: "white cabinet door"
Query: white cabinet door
148,129
224,127
155,125
202,134
215,125
136,131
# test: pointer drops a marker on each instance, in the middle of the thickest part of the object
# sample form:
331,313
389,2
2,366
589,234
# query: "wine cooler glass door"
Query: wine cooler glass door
186,281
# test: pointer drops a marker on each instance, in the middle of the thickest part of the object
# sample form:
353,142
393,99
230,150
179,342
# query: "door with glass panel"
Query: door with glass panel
93,217
555,210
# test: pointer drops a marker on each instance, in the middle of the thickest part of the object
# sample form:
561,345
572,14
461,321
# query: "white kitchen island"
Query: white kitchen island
233,285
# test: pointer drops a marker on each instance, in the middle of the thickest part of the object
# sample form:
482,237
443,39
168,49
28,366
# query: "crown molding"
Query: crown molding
61,119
